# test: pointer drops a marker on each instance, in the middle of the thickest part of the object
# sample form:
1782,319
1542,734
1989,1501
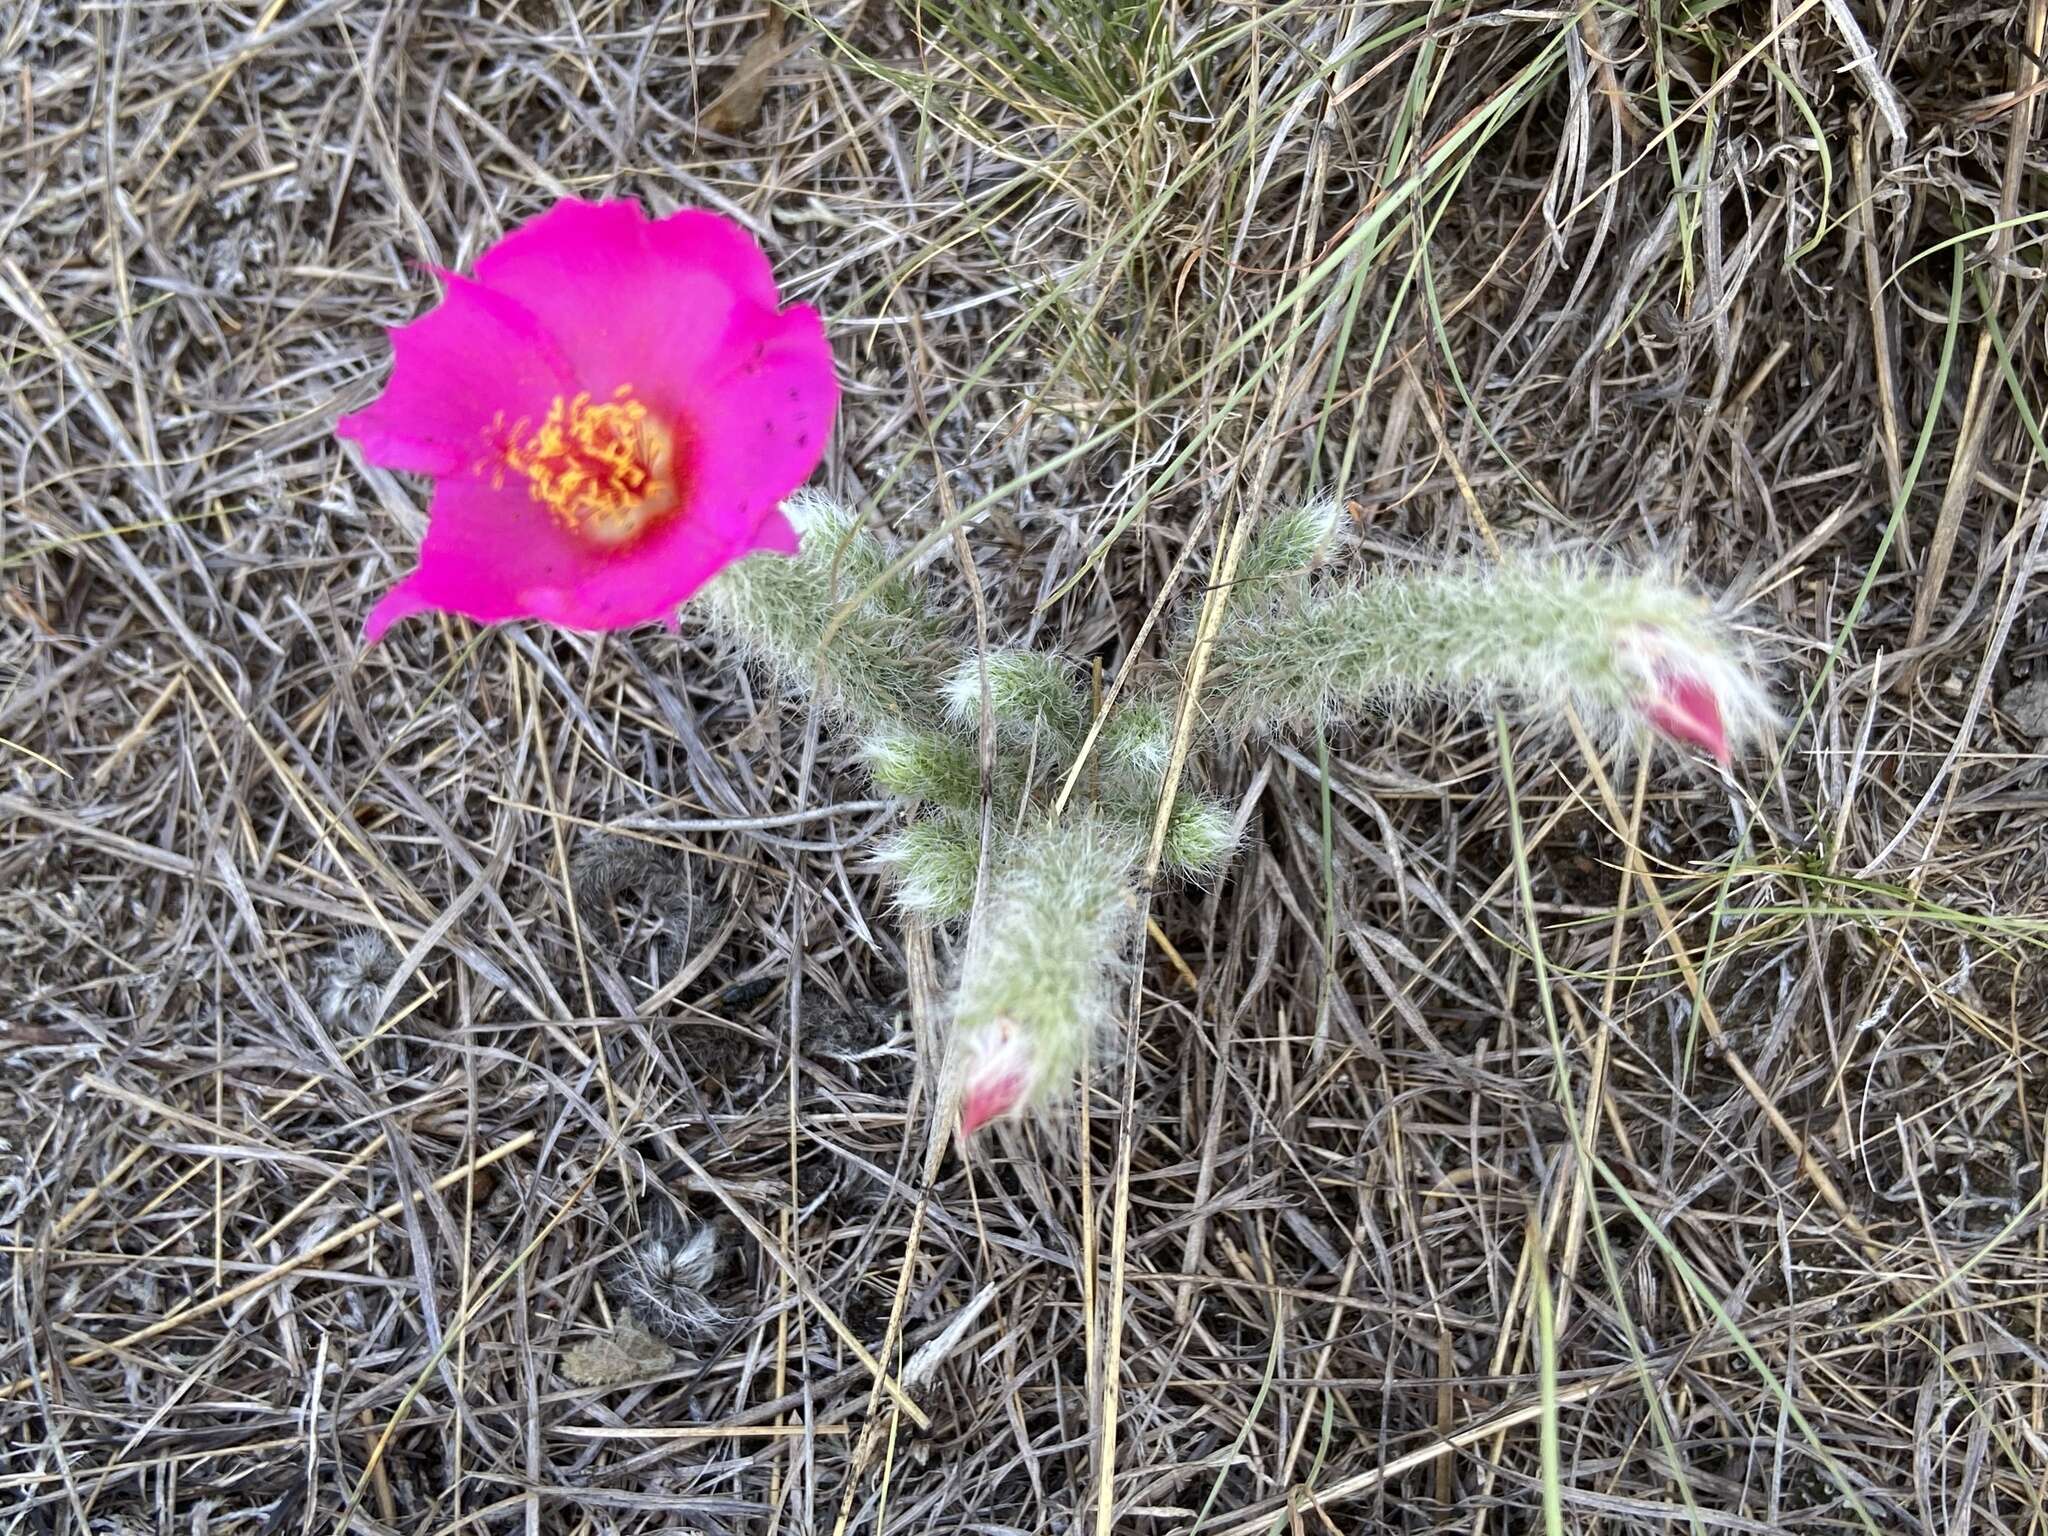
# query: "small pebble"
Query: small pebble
2026,706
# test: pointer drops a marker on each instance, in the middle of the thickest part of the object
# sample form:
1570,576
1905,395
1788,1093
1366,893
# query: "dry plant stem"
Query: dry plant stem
554,815
785,1225
665,1433
1880,335
465,1297
1977,406
1169,590
380,1480
452,1335
1205,1176
1322,1369
106,1181
1513,1340
1290,1505
1173,956
876,1425
2020,569
1809,1164
938,1136
1466,494
1984,389
271,1276
1215,605
985,737
1598,1105
319,1192
1603,66
760,1234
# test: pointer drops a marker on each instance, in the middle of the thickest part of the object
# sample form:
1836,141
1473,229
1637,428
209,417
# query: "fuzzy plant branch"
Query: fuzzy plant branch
1031,697
1286,545
933,767
1281,552
1137,742
1044,958
1044,955
834,622
1538,632
935,863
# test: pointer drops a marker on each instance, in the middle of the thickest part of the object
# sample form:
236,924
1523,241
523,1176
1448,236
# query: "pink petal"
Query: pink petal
634,302
492,553
1684,708
592,302
473,357
695,238
488,554
759,430
991,1096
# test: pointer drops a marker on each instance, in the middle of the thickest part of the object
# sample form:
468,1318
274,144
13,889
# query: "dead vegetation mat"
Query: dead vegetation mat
472,1084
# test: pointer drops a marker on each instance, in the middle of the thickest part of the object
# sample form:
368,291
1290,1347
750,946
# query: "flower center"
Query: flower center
606,471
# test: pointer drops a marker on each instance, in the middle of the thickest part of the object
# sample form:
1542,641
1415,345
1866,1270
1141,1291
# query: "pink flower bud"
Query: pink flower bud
1677,700
999,1078
1683,708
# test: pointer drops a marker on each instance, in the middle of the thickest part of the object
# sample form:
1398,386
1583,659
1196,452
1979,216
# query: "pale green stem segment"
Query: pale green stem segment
1043,963
1531,633
831,621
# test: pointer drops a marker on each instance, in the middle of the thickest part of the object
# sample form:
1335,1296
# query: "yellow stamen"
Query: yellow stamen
606,471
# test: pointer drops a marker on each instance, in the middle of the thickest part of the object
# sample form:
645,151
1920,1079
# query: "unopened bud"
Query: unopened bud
1677,695
1000,1076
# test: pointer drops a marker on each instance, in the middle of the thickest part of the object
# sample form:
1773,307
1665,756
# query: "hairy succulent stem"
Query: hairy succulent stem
935,863
1051,941
1031,696
930,767
1040,976
832,622
1617,647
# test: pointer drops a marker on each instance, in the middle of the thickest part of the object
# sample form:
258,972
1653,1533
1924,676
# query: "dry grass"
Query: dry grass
1538,1145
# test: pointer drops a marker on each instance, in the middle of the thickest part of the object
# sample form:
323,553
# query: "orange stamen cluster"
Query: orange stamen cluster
605,470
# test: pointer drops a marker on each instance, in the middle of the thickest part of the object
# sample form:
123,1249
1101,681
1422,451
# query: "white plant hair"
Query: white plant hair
664,1277
833,621
1030,695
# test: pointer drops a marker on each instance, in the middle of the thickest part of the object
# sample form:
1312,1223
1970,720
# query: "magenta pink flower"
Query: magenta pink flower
612,409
